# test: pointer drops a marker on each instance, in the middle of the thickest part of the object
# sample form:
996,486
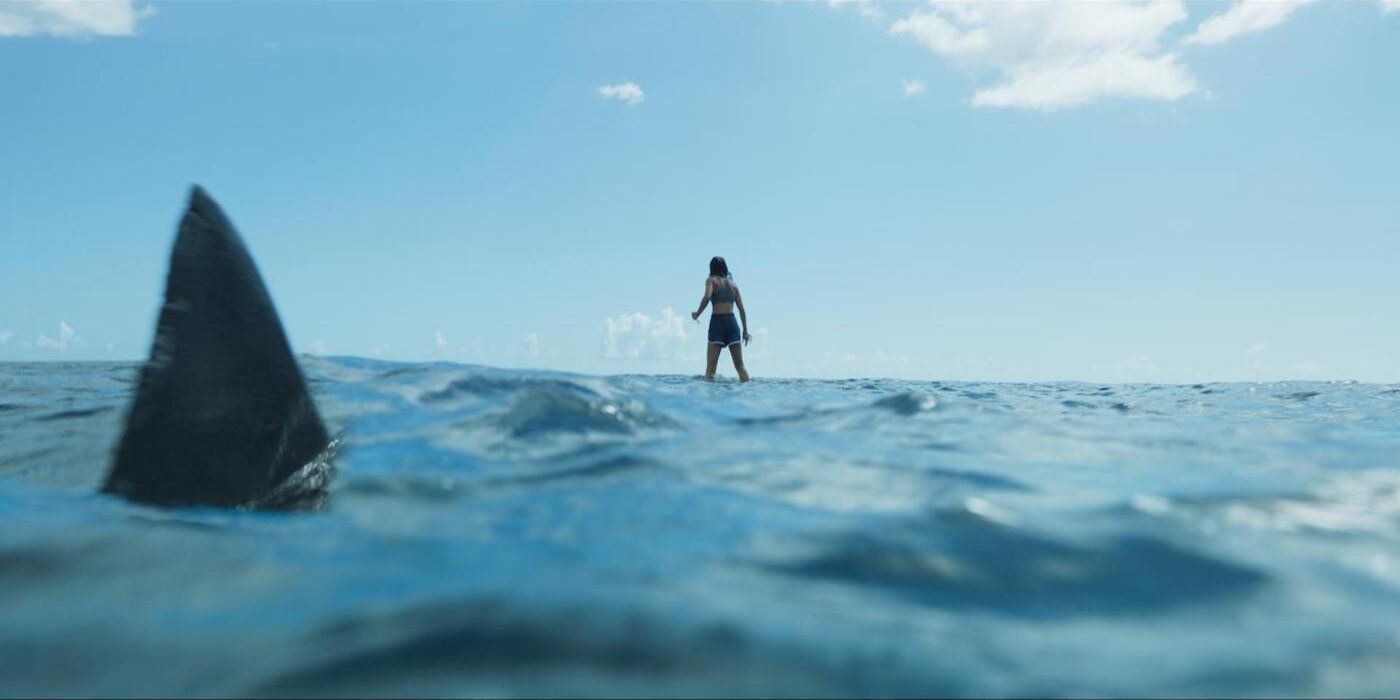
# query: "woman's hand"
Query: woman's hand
695,315
746,338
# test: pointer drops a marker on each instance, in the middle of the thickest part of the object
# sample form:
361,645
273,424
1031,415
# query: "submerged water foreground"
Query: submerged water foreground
496,532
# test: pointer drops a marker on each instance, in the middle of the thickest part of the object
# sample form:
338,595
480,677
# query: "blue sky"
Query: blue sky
1114,191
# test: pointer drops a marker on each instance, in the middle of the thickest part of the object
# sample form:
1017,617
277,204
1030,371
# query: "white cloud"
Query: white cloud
1244,17
317,348
865,8
869,362
438,340
532,345
1071,84
638,336
940,35
379,350
758,344
628,92
1253,357
914,87
71,18
66,338
5,337
1135,366
1309,368
1057,54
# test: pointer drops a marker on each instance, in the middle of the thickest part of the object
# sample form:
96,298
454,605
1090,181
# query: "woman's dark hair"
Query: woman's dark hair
718,267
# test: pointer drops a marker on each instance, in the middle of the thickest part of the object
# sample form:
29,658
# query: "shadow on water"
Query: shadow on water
542,412
453,647
608,466
957,560
909,403
486,386
447,475
74,413
982,480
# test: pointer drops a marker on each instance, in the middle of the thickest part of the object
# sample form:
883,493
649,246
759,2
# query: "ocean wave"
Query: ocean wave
503,532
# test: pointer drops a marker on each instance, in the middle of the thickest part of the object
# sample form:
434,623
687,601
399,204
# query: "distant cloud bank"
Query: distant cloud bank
638,336
66,338
629,93
71,18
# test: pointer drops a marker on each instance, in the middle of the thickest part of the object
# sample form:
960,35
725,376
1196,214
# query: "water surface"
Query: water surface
494,532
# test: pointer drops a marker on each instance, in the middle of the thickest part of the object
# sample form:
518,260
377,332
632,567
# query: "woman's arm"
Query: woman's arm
705,300
743,316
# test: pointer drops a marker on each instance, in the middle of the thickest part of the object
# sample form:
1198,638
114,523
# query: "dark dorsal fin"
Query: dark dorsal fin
222,416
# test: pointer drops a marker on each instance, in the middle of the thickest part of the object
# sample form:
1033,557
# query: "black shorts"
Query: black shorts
724,330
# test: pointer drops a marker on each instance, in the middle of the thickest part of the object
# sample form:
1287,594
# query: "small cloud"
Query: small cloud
1135,366
1245,17
441,347
1309,367
1252,357
758,345
1389,6
629,92
476,348
883,358
66,338
110,347
638,336
379,350
5,337
318,348
865,8
71,19
876,359
845,358
532,346
914,87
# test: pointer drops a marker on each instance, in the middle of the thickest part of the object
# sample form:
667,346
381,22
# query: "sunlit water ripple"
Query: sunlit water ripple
494,532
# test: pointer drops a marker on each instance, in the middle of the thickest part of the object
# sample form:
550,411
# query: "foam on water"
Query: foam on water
493,532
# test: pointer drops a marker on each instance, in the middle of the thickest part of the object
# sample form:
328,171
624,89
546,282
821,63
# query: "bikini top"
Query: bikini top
723,295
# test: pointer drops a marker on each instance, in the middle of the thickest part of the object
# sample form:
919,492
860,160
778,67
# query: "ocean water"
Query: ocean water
507,533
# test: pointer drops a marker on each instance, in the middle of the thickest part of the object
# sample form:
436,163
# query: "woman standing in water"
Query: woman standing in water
724,332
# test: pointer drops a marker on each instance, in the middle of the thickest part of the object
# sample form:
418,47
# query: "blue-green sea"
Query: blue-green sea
510,533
